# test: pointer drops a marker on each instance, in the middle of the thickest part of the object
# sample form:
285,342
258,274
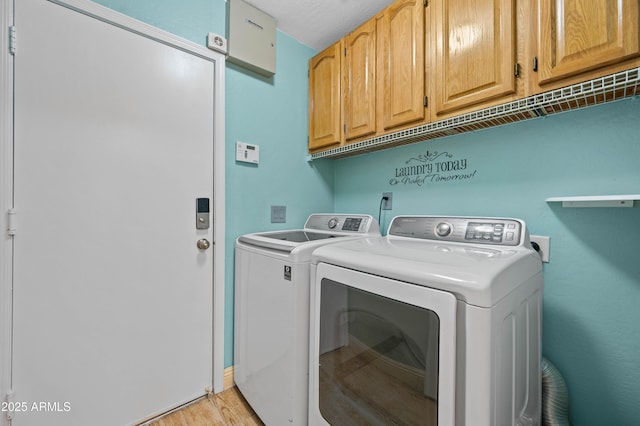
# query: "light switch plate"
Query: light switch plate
278,214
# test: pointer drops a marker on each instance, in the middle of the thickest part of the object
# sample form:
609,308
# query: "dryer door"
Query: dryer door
381,351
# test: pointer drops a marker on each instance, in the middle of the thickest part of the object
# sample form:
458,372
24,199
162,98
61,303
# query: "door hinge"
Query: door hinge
8,399
426,3
11,222
12,40
425,101
516,70
535,64
344,128
345,52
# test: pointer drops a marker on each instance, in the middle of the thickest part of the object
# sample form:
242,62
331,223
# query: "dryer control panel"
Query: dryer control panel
509,232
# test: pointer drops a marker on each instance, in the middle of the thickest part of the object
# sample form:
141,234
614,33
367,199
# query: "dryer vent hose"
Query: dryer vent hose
555,396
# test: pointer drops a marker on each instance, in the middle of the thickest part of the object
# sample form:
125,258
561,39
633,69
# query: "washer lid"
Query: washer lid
299,236
288,241
479,275
320,229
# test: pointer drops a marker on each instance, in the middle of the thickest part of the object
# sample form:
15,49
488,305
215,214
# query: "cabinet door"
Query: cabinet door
324,98
582,35
475,53
402,75
359,83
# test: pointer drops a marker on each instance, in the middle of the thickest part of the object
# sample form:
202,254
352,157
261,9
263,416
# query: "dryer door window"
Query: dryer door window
382,359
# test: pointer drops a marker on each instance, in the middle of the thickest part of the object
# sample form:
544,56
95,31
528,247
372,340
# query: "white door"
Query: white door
113,145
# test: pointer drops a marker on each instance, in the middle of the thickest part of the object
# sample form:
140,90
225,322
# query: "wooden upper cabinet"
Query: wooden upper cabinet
325,117
475,52
461,56
401,35
359,81
578,36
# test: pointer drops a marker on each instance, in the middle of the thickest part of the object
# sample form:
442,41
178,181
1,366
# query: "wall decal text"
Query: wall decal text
432,167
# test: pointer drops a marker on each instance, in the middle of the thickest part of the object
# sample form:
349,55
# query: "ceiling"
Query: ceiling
319,23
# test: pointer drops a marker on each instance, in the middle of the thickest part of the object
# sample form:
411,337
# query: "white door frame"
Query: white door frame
6,175
6,200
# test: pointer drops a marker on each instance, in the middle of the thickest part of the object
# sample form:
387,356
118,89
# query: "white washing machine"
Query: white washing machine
271,321
437,323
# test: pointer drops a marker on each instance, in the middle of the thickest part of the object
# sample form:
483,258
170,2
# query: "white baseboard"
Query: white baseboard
228,378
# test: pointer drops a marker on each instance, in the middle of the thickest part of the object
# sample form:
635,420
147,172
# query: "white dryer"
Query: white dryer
271,320
438,323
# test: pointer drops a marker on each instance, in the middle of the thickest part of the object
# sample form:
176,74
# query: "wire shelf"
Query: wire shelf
597,91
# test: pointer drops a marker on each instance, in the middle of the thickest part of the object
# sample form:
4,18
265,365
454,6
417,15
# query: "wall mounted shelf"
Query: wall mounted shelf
597,201
613,87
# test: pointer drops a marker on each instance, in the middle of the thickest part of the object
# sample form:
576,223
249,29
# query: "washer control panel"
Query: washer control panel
500,231
338,223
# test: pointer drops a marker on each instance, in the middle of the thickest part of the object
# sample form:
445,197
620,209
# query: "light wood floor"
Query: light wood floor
225,408
359,383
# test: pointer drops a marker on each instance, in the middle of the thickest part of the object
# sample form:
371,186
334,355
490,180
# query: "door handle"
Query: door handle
203,244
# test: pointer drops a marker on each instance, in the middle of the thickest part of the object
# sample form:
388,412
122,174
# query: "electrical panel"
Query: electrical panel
251,38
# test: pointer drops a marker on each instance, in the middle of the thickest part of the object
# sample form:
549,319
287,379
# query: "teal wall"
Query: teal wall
592,284
272,114
269,112
192,19
591,318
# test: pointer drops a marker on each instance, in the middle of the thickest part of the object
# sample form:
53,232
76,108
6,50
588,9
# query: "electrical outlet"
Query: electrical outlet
544,244
388,203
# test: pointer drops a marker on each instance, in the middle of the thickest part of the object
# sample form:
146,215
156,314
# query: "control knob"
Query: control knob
444,229
333,222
